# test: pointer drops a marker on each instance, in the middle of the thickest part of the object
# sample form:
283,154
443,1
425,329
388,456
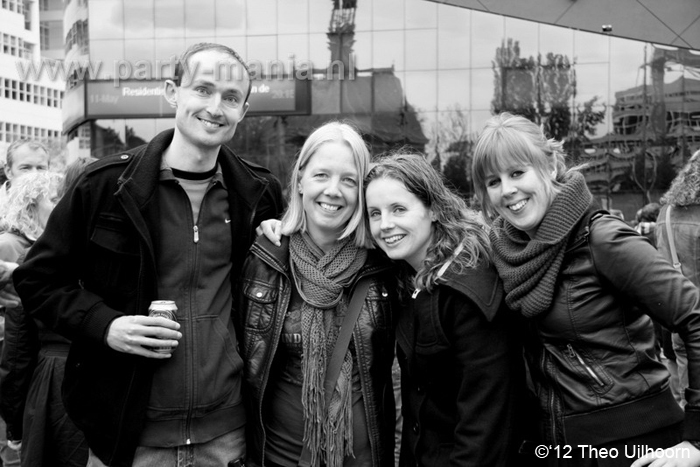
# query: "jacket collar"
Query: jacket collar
141,176
481,285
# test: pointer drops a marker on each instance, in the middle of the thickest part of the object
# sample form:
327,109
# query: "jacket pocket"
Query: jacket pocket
592,372
114,256
260,301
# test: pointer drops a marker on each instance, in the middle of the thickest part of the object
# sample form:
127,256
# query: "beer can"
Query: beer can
166,309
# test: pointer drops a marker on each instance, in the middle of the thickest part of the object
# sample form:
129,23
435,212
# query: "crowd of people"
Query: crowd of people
535,328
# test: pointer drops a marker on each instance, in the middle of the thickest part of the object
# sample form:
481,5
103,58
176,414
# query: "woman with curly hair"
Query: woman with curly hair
459,360
33,358
681,212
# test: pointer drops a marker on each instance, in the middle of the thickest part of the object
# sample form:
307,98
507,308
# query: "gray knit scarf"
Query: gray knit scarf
529,268
321,278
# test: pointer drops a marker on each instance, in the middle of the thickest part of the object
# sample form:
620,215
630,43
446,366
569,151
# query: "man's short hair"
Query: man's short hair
182,68
12,149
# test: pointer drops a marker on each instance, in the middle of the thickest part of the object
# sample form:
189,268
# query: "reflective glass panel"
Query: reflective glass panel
261,17
107,54
320,15
421,90
167,52
293,16
453,37
481,89
421,49
170,18
453,88
591,48
319,54
526,33
388,15
363,50
262,50
592,82
388,50
200,18
293,45
106,20
557,40
137,51
230,17
139,19
421,14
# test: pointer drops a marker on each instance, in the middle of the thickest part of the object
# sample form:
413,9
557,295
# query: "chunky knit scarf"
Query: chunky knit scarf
321,278
529,268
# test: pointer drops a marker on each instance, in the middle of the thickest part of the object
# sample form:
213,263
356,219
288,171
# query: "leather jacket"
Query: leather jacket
592,355
265,295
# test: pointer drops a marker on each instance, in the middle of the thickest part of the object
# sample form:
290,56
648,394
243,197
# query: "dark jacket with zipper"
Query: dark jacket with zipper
592,354
96,262
461,373
266,291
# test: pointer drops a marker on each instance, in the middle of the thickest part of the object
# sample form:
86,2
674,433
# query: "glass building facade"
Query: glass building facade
415,73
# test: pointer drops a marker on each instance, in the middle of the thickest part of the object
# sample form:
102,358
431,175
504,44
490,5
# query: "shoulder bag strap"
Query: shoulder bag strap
671,241
339,351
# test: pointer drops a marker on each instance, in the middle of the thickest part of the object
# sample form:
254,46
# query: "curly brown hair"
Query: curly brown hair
685,188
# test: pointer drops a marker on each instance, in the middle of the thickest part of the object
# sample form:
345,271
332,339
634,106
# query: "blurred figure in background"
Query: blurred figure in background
23,156
33,358
680,215
646,221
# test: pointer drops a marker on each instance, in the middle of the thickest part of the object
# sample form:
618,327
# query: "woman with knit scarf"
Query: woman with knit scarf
460,363
294,298
587,285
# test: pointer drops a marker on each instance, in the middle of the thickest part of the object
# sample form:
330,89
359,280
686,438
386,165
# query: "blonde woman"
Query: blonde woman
295,299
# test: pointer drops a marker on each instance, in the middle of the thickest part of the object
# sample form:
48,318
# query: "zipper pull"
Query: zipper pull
572,352
415,293
196,234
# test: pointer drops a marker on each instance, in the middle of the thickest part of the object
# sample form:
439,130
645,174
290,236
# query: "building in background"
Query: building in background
407,72
30,103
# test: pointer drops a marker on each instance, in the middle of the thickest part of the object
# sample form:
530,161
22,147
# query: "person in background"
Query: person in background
646,221
33,359
587,285
461,364
681,213
296,294
23,156
169,220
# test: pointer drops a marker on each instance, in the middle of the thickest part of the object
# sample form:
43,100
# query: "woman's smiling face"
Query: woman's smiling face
329,187
521,196
400,223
